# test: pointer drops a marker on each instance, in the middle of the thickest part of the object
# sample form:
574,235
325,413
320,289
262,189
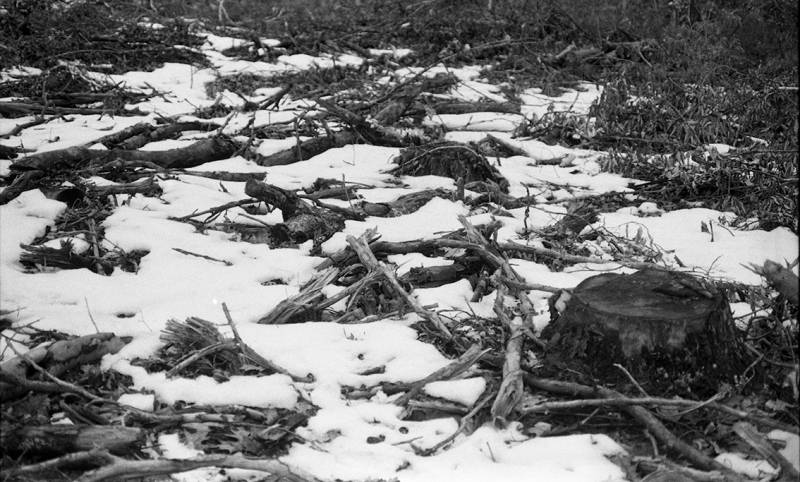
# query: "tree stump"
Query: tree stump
672,332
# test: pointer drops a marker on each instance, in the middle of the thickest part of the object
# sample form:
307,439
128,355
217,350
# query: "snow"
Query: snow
408,227
576,101
69,131
791,449
724,254
465,392
476,121
346,439
753,468
141,401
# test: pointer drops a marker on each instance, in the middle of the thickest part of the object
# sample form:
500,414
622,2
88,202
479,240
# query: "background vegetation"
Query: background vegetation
704,71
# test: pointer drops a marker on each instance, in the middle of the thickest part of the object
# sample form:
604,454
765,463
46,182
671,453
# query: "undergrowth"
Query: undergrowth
683,74
43,33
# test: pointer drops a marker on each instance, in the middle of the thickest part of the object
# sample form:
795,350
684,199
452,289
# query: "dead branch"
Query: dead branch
458,366
88,457
641,414
302,220
169,131
217,209
371,263
450,107
15,109
571,258
147,187
23,182
529,286
511,388
226,176
59,357
305,305
255,357
62,258
306,149
749,434
200,152
121,469
664,402
62,439
466,422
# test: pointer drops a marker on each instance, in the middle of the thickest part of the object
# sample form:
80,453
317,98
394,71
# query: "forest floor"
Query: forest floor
302,244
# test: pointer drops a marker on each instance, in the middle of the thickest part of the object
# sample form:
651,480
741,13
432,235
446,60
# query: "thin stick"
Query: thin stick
217,209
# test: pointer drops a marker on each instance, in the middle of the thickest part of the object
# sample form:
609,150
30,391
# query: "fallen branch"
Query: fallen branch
466,421
88,457
371,263
12,109
302,220
217,209
641,414
59,357
689,405
62,439
120,469
306,149
255,357
749,434
458,366
305,305
511,388
200,152
571,258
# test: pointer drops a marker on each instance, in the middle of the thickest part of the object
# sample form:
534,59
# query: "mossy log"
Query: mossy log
658,324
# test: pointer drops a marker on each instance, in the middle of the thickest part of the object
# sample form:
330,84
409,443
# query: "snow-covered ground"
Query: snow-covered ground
338,437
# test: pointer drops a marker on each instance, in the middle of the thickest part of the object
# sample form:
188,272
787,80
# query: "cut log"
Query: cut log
664,327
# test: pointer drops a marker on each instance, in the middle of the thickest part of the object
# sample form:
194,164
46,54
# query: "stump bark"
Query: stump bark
670,330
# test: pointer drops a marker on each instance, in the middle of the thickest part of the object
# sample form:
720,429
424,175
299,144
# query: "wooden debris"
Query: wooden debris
641,414
119,468
749,434
511,389
200,152
466,360
62,258
146,187
59,357
16,109
405,204
304,306
50,440
371,263
306,149
303,221
450,107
